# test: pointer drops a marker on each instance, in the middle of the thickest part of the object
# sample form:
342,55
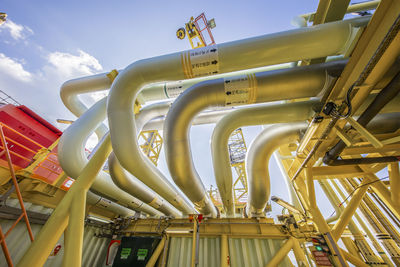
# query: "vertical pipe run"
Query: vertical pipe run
224,251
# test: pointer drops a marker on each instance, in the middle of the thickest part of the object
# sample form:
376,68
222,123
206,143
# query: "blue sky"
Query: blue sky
45,43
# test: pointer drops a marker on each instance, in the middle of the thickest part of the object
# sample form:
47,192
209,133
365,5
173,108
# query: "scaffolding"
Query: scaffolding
151,143
237,154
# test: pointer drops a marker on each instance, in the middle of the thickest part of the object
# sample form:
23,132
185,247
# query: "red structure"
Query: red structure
26,134
204,30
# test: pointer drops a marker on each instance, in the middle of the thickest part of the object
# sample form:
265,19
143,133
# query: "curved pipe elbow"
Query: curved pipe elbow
176,137
257,160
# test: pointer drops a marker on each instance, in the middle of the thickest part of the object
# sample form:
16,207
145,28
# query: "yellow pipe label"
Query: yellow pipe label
240,90
200,62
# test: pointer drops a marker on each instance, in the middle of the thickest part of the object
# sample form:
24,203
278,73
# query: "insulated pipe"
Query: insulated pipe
72,158
298,82
203,118
314,42
263,114
172,89
257,159
103,203
71,89
130,184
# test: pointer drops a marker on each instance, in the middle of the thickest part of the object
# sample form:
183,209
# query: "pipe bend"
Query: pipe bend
255,115
73,159
176,137
123,130
70,90
257,159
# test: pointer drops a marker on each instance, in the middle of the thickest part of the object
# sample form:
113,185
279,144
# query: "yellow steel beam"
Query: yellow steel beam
332,172
330,10
151,144
224,251
323,227
349,211
394,176
156,254
370,149
281,253
39,251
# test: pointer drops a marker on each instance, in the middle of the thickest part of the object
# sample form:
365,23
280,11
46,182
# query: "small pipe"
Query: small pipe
135,187
384,97
360,161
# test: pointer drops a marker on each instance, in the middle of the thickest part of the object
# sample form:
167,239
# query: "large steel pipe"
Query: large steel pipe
257,159
318,41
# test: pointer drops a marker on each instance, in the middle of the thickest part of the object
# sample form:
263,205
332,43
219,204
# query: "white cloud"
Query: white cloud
42,92
14,69
17,31
68,65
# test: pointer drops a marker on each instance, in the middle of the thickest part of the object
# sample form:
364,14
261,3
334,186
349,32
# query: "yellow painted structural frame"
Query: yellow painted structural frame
151,144
69,215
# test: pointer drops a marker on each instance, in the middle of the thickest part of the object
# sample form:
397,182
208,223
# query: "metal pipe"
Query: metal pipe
254,115
384,97
293,198
72,158
233,56
135,187
130,184
367,160
261,87
203,118
70,91
103,203
257,159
